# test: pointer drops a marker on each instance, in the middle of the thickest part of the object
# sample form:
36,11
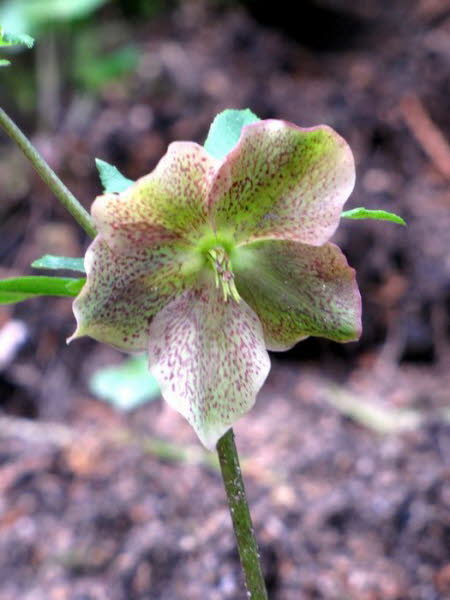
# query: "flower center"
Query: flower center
218,259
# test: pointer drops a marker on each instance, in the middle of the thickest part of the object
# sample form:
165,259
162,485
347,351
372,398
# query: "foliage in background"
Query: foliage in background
98,61
76,47
125,386
8,40
36,15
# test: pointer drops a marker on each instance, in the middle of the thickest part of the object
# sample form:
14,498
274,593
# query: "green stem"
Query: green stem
240,515
48,175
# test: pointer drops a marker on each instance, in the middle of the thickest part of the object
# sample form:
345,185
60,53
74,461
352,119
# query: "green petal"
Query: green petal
299,290
124,291
167,205
209,359
283,182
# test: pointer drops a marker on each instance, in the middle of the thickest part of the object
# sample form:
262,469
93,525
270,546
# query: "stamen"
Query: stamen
223,274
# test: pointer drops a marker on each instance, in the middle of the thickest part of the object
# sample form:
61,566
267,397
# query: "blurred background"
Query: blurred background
347,452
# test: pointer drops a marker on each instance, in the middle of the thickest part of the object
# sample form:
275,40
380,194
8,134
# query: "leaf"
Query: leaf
66,263
125,386
365,213
8,39
35,15
17,289
7,297
75,286
111,178
225,131
15,39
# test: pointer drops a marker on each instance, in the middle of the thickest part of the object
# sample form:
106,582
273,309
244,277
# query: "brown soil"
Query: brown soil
346,455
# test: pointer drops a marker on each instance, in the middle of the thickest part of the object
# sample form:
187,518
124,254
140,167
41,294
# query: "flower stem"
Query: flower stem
240,515
48,175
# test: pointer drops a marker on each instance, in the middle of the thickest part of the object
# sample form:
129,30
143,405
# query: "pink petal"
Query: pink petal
299,290
283,182
167,205
123,292
209,358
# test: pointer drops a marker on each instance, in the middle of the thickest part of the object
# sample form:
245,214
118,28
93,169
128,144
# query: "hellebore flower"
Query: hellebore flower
206,264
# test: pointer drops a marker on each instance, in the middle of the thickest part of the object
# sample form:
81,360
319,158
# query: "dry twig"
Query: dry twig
427,134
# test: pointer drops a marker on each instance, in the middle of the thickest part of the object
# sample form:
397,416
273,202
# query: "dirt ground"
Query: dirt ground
347,453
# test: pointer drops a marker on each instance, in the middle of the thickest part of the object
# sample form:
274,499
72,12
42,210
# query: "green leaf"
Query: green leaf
111,178
15,39
35,15
7,297
75,286
365,213
66,263
225,131
17,289
125,386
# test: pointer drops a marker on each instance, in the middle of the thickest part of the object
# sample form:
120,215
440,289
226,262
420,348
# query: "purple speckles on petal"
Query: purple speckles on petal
299,290
207,263
124,292
166,206
283,182
209,358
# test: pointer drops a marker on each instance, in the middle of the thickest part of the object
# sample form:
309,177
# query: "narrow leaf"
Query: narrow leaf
75,286
111,178
48,261
125,386
365,213
7,297
17,289
225,131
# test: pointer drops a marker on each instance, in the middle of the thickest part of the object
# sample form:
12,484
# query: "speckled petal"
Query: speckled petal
299,290
209,359
283,182
167,205
123,292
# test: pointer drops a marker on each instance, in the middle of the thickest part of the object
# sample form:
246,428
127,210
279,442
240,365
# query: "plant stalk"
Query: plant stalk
240,515
64,195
